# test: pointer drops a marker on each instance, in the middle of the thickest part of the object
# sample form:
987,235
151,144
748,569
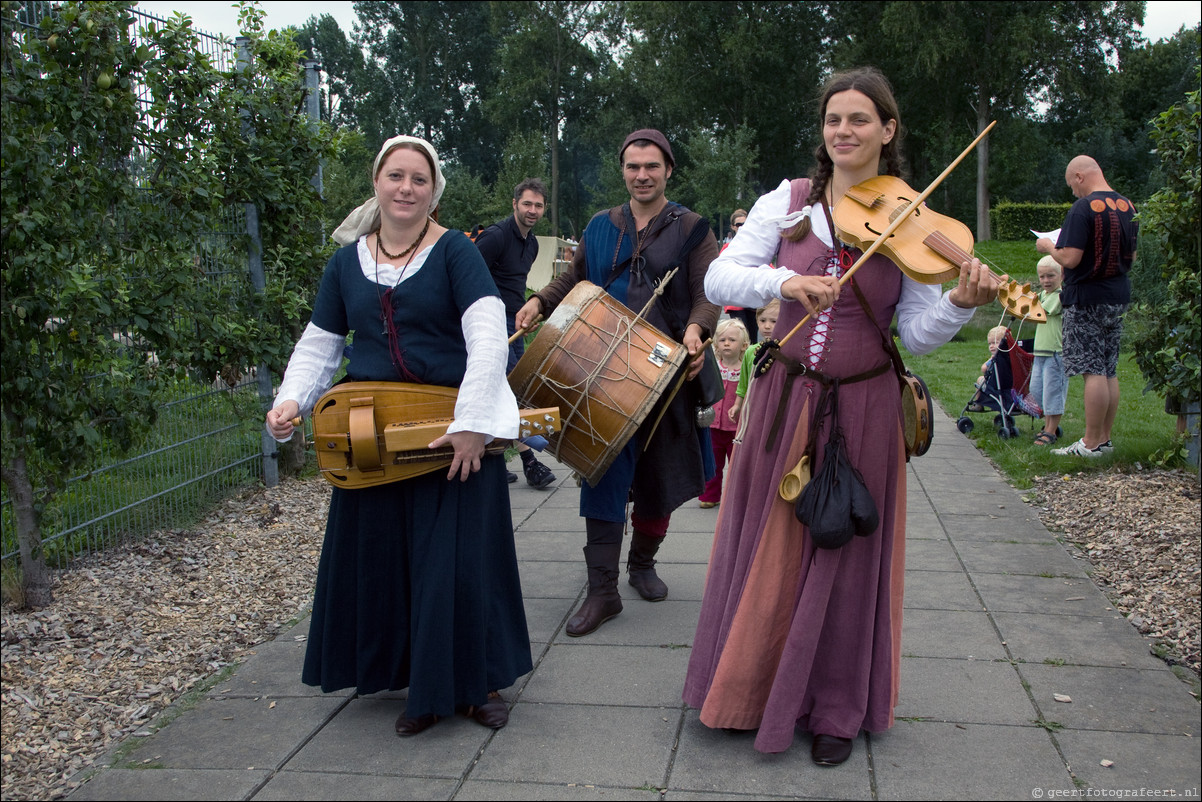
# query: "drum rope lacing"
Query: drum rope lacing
582,387
620,337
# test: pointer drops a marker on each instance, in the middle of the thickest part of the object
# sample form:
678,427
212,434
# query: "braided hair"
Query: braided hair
872,83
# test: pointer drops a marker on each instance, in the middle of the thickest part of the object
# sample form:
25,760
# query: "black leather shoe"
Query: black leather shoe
640,564
412,726
538,475
648,584
830,750
513,477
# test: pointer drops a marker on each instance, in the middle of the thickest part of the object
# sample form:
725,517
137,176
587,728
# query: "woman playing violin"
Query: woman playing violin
790,633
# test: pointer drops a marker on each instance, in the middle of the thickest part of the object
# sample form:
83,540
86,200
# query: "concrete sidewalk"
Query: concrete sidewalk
1000,622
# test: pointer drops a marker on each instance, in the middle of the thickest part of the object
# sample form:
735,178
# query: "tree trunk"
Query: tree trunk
35,576
983,232
553,139
293,454
555,169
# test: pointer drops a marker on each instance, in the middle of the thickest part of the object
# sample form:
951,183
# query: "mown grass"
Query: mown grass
198,434
1142,434
1015,259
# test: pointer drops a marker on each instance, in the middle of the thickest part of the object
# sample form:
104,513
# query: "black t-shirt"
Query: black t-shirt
509,256
1102,225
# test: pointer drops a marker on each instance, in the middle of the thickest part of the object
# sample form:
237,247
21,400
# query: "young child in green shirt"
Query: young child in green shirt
1048,382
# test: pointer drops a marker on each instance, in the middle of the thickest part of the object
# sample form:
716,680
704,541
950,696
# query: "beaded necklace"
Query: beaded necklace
386,310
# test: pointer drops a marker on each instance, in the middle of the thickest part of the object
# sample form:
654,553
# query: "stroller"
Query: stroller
1005,389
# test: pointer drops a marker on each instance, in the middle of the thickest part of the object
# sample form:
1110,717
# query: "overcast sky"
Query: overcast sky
1163,17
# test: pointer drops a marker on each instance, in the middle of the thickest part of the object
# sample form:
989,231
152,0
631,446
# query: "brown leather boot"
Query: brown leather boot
603,601
640,564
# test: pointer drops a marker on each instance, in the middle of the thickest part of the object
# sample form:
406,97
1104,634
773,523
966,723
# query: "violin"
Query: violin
928,247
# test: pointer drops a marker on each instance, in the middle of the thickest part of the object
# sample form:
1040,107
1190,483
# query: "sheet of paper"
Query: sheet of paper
1052,235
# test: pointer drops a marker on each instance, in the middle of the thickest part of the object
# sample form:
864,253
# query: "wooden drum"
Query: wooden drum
604,367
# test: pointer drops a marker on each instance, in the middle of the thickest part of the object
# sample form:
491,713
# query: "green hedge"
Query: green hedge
1014,221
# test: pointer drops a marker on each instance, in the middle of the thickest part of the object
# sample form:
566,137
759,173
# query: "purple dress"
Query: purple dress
789,634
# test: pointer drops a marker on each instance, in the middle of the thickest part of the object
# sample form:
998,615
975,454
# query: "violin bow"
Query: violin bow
888,232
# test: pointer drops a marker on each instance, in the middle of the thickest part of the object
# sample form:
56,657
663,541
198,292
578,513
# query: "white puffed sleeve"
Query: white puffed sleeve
742,275
311,367
486,404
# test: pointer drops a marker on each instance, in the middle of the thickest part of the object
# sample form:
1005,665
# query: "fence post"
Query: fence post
313,110
254,265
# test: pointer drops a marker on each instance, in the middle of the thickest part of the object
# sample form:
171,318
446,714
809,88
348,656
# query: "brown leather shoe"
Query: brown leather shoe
493,714
595,611
412,726
830,750
602,602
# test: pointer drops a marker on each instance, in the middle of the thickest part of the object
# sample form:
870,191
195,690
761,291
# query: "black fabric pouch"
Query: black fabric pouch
836,504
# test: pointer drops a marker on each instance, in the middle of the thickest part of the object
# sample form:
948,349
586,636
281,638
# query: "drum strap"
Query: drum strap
618,268
671,314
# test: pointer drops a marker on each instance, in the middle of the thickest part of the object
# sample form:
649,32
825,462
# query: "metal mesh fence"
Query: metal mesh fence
206,440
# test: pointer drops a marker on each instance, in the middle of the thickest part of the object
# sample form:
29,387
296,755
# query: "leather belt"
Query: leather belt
793,369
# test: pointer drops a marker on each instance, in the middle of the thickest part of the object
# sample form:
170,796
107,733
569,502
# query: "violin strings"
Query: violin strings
916,217
1009,290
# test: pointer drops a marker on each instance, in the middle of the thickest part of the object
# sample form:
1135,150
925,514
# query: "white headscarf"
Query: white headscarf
366,218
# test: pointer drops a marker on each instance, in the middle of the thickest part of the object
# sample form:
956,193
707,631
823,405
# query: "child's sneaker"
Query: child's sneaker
1079,449
1106,447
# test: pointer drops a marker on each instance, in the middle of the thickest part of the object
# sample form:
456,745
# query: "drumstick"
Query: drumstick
522,331
675,389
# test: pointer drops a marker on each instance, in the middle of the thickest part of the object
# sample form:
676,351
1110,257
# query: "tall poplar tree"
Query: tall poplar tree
429,67
547,65
734,70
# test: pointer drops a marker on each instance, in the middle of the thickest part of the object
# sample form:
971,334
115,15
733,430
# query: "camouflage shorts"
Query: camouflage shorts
1091,339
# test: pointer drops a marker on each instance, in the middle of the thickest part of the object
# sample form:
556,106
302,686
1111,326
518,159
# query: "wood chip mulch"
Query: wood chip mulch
1141,533
132,630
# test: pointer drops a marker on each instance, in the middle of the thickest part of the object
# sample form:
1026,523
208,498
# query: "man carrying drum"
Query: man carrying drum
627,250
